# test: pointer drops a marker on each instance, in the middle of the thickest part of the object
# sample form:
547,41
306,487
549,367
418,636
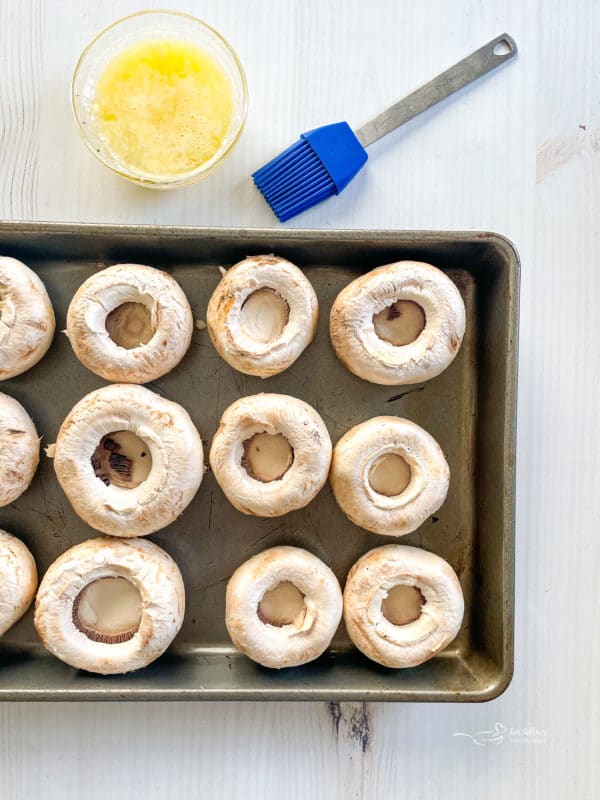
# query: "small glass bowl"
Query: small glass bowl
140,27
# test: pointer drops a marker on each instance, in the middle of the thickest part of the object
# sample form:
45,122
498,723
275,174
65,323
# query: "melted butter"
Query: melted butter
163,107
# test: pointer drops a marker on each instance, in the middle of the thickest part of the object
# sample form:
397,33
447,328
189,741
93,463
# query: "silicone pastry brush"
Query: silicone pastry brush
323,161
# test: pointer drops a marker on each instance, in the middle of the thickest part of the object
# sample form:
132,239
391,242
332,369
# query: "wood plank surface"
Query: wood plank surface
520,154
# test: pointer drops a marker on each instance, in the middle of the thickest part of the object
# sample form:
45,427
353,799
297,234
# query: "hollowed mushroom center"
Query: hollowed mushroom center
108,610
130,325
399,323
402,605
263,315
389,475
122,459
267,456
283,605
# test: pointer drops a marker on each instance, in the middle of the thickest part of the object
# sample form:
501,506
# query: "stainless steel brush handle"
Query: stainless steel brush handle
482,61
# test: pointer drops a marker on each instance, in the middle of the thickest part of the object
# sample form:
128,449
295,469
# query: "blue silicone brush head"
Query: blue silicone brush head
321,163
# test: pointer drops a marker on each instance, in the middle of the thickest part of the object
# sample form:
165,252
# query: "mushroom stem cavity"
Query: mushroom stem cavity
282,605
122,459
129,460
130,324
110,605
389,475
263,315
108,610
400,323
271,454
267,456
402,605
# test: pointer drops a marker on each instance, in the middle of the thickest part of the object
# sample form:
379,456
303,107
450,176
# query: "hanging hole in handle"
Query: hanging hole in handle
502,48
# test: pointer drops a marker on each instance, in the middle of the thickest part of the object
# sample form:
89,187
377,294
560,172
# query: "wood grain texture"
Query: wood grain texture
20,106
519,153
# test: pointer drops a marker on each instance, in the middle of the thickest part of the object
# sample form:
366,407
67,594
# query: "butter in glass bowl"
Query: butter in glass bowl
160,98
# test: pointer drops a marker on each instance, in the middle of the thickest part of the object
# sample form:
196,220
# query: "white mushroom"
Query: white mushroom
110,605
398,324
402,605
26,318
389,475
262,315
283,607
18,580
129,460
130,323
270,454
19,449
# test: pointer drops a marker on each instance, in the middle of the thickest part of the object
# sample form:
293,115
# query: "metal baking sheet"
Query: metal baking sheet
470,409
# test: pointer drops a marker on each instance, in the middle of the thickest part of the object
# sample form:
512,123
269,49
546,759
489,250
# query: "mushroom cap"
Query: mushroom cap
103,292
241,351
174,444
361,447
360,349
19,449
26,318
306,433
368,584
154,574
295,643
18,580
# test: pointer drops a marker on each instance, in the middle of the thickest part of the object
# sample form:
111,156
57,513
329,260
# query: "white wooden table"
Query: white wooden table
520,154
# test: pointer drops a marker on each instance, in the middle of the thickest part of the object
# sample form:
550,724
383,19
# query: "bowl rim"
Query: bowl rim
186,178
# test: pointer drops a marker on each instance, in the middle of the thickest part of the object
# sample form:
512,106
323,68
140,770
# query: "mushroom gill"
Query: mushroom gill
130,325
122,459
108,610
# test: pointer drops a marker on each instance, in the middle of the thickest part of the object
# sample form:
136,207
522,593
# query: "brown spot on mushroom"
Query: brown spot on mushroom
268,260
38,325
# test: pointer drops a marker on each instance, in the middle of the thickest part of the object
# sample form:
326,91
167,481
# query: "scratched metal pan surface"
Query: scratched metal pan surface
470,409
